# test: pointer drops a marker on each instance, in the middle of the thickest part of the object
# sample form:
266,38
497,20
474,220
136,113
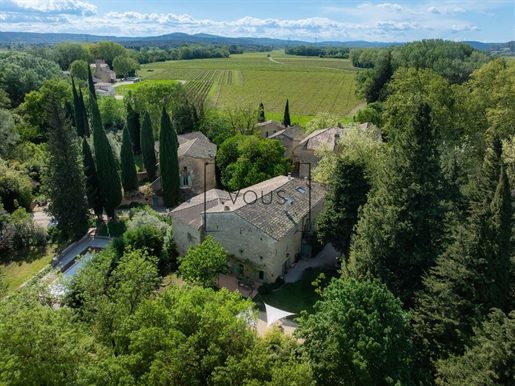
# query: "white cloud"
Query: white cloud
49,7
383,22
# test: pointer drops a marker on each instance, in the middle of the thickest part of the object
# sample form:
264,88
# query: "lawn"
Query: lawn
298,296
20,266
312,85
124,89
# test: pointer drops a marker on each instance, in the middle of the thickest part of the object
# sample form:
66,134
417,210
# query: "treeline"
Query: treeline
453,61
322,52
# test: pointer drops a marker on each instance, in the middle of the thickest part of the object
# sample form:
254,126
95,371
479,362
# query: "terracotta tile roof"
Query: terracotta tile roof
270,122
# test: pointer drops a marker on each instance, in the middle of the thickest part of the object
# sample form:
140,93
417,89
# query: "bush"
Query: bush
18,230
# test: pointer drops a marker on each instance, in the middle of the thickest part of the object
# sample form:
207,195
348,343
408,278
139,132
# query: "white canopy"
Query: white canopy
273,314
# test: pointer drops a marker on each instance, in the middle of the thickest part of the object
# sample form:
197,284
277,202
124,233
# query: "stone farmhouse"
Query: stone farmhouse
290,139
264,228
195,150
267,128
323,139
102,72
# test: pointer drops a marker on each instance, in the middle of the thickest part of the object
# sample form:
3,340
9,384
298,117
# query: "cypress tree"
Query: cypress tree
92,185
105,162
75,107
473,275
134,128
129,174
349,191
261,113
400,230
84,114
168,161
286,119
64,174
147,147
91,84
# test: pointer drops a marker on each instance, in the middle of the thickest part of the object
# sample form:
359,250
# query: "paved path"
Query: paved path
275,61
325,259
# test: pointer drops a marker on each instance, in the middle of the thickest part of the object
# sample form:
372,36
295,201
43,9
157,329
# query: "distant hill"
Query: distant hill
179,38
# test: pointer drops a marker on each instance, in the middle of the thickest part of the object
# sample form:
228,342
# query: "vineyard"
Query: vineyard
312,85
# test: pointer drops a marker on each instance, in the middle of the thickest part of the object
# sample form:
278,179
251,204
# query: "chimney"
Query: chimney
339,125
289,176
305,180
98,68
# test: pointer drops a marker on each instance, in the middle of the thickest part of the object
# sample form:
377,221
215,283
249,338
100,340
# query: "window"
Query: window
300,190
266,134
261,275
185,180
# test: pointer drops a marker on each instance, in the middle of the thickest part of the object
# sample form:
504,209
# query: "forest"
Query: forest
423,218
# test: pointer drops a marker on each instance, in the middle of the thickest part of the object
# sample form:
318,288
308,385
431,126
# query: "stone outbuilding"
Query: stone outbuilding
264,228
196,156
267,128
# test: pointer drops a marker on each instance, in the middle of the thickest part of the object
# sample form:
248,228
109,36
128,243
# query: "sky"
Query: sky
307,20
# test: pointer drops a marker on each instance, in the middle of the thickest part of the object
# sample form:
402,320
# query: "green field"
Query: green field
124,90
312,85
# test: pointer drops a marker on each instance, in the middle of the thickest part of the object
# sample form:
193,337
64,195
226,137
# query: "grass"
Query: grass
298,296
20,266
124,90
312,85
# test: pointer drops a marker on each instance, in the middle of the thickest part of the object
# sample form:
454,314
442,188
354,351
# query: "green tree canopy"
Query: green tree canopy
350,187
248,160
168,161
202,264
400,231
147,147
64,178
79,70
130,181
358,335
108,178
24,73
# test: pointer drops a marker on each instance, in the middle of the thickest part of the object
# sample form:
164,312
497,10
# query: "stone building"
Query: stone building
195,150
102,72
264,228
267,128
290,139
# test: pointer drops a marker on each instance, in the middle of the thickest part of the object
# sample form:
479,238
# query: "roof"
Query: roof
269,122
190,212
282,202
292,132
195,145
323,137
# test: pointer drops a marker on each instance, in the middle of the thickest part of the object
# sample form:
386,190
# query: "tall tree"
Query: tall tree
400,231
134,128
84,114
65,177
105,162
147,147
91,85
168,161
92,185
358,335
79,121
261,113
473,275
202,264
129,174
286,118
350,187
